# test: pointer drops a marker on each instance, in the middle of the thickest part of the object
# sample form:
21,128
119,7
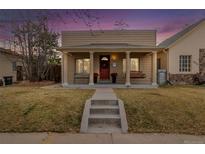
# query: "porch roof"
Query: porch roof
109,46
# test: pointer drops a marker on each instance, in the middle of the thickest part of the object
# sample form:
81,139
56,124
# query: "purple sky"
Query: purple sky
166,22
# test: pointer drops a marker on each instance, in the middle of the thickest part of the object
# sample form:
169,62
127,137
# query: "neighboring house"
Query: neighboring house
10,65
183,54
132,54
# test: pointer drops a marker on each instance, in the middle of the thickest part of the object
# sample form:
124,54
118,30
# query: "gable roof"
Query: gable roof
168,42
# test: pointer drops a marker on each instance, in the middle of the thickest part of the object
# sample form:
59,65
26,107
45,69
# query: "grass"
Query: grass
177,109
165,110
33,109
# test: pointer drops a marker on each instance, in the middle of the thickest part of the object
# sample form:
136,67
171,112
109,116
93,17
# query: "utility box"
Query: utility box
8,80
162,76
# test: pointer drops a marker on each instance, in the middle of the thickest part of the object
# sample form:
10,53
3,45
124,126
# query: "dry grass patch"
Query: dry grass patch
33,109
27,83
167,110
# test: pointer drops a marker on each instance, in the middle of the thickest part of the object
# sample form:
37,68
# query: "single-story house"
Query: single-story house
10,66
131,54
183,54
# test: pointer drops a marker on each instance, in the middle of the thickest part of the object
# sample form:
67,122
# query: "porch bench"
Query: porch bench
137,74
81,77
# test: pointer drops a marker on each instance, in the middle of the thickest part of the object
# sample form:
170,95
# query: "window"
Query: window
185,63
14,66
134,64
82,65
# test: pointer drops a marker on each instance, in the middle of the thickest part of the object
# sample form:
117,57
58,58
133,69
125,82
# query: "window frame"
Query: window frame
130,64
185,64
83,60
14,66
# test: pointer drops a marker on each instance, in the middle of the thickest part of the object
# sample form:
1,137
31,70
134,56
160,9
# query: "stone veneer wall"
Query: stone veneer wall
181,78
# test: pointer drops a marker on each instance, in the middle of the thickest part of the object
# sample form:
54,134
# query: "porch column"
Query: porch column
127,83
65,69
154,68
91,68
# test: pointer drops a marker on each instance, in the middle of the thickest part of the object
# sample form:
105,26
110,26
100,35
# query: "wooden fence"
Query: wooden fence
54,73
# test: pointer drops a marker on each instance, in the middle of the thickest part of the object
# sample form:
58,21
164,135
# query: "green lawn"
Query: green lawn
167,110
33,109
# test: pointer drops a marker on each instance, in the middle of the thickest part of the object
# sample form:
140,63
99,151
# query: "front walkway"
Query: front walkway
66,138
104,113
104,93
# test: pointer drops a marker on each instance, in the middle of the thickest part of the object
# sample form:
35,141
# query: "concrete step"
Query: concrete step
104,128
104,119
104,82
104,102
104,113
104,109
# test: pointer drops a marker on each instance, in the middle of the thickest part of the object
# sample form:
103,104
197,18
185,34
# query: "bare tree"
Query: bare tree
16,17
121,24
36,43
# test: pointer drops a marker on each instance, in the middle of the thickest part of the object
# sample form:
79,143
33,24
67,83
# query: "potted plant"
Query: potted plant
114,77
95,77
1,82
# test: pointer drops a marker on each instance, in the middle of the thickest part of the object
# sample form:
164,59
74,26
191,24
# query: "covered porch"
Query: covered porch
134,66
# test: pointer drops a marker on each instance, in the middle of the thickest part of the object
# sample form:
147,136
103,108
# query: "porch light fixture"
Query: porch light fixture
114,57
104,59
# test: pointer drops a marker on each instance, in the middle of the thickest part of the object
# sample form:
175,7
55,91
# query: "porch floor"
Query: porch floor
86,86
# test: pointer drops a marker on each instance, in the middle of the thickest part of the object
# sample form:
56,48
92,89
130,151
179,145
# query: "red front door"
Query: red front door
105,67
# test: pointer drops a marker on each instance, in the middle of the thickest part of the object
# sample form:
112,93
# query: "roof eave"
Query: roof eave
127,48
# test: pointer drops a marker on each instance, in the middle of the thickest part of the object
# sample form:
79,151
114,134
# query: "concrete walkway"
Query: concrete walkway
104,113
66,138
104,93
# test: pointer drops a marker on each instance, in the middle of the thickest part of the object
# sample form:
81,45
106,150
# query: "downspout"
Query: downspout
166,51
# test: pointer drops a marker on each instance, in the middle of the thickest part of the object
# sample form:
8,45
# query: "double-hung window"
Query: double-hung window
82,66
134,64
14,66
185,63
